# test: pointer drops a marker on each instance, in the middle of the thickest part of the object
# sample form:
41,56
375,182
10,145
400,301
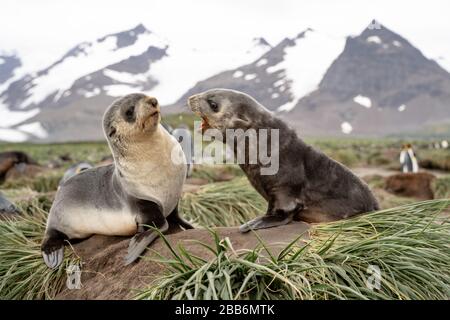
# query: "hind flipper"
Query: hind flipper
54,258
141,241
52,248
176,220
265,222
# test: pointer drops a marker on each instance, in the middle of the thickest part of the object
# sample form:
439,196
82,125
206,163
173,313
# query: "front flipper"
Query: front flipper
267,221
141,241
52,248
280,211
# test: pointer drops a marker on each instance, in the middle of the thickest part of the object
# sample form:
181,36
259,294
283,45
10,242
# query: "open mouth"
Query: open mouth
149,120
204,125
154,114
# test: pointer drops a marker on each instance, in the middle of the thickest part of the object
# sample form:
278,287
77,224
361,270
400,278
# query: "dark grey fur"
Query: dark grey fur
308,186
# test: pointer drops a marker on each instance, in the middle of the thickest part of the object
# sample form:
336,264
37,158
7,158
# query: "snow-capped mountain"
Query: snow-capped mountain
376,83
282,75
8,64
66,100
379,84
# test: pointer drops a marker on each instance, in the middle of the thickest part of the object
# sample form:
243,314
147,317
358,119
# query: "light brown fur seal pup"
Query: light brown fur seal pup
308,185
142,187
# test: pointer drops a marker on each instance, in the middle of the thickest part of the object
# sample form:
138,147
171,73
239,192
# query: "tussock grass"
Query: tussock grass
435,159
223,204
47,182
23,273
215,173
441,187
409,247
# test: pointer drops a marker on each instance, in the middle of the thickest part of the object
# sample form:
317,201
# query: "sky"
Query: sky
42,31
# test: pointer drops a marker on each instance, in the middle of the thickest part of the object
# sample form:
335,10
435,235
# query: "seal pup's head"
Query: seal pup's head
133,117
227,109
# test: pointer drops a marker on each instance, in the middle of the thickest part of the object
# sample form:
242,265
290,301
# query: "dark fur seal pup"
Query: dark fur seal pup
142,187
308,185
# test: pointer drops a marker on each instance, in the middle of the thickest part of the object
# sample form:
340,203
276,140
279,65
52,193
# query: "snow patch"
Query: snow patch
346,127
34,128
374,39
2,61
275,95
250,76
396,43
307,61
124,77
97,56
118,90
175,77
256,51
274,68
261,62
11,135
402,108
362,100
10,118
279,82
238,74
90,94
287,106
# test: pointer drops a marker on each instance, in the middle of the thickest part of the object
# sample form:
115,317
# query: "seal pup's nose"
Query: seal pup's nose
153,102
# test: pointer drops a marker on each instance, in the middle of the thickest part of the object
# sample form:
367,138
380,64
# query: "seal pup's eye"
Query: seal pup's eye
214,106
129,114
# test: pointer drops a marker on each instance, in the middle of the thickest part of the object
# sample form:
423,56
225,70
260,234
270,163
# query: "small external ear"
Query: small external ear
241,122
112,132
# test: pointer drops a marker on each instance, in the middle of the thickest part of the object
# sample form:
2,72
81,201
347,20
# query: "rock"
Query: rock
416,185
105,277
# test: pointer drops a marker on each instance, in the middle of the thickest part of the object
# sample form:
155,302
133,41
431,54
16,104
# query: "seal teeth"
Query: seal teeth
205,124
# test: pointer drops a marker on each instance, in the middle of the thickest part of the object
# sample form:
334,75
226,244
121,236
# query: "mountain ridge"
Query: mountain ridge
375,83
